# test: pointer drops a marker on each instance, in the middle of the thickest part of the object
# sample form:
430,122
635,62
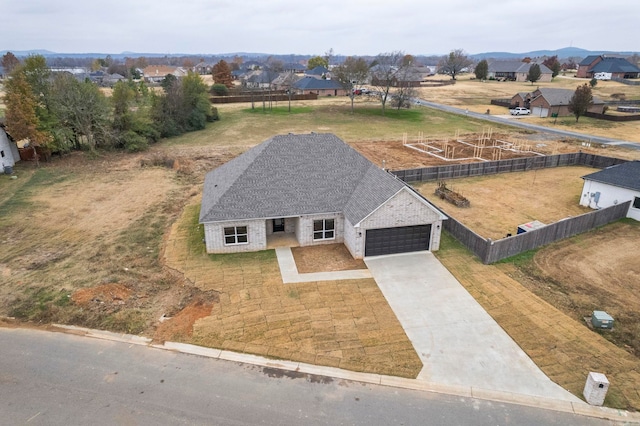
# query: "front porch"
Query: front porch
282,239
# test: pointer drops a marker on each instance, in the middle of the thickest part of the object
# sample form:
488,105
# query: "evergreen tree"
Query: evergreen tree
534,73
482,70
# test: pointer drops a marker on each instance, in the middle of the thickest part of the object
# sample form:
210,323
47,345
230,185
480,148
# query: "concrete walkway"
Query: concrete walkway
290,274
458,342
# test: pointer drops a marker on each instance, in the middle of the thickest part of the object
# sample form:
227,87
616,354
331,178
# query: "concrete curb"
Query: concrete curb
580,408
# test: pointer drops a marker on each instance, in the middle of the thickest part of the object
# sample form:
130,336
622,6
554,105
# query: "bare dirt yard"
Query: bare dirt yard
499,203
325,258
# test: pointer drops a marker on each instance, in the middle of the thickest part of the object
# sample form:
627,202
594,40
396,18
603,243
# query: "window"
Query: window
636,202
235,235
324,229
2,154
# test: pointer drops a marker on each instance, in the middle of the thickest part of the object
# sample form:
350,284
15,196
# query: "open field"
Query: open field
82,240
476,96
499,203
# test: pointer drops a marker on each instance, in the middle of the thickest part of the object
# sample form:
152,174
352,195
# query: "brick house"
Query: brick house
516,71
318,86
545,102
313,189
617,67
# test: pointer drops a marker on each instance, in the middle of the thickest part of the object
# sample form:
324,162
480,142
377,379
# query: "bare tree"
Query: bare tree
351,74
383,74
454,63
406,77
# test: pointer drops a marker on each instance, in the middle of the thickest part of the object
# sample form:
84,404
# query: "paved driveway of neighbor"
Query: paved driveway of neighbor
458,342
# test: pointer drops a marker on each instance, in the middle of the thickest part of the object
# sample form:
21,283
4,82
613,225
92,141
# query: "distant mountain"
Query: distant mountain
563,53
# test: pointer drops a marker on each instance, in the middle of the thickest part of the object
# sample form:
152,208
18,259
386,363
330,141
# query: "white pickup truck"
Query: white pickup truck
519,111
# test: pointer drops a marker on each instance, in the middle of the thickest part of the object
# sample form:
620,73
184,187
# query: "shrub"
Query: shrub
220,90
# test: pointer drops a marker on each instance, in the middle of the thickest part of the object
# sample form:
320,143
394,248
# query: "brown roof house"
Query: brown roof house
516,71
313,189
546,102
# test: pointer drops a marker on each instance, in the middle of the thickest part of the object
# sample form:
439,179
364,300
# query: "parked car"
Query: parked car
519,111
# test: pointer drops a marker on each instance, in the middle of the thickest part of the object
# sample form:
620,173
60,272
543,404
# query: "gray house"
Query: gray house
314,189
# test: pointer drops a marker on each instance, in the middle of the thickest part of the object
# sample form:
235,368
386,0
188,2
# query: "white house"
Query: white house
613,185
9,154
315,189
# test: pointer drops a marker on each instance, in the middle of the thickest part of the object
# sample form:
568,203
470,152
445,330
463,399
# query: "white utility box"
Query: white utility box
595,390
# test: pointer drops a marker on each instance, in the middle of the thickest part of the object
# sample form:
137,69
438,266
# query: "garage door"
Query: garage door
540,112
397,240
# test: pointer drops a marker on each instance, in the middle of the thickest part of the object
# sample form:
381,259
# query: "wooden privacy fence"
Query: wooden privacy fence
492,251
505,166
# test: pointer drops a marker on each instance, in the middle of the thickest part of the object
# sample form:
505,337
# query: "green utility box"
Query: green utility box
601,319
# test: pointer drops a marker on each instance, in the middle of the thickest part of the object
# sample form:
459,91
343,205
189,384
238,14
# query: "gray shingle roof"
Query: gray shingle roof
588,60
516,66
625,175
616,65
291,175
556,96
312,83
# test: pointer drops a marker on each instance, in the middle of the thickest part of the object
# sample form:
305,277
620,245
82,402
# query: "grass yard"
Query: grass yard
476,96
346,324
499,203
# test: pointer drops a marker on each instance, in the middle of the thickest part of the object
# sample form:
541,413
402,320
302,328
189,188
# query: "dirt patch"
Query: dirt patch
396,155
594,271
109,294
325,258
180,326
499,203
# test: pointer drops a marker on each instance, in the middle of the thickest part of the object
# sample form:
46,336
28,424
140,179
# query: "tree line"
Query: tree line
59,112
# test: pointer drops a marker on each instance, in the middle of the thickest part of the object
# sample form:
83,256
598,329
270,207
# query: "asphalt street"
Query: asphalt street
528,126
61,379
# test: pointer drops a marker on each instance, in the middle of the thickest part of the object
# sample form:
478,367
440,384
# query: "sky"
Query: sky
312,27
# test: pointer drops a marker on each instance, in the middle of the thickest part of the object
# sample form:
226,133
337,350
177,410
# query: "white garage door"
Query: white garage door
540,112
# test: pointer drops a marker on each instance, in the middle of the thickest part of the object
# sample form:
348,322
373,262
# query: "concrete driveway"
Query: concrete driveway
458,342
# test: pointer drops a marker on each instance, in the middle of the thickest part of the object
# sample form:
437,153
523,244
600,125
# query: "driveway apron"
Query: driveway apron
456,339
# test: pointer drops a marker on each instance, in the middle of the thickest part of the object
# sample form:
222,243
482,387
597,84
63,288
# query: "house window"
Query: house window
235,235
2,154
636,202
324,229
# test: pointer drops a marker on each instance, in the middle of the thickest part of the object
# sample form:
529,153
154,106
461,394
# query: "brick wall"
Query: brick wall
214,237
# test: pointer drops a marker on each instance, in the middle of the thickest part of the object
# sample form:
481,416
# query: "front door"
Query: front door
278,225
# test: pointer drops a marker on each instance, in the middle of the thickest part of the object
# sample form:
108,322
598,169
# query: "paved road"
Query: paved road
59,379
528,126
458,343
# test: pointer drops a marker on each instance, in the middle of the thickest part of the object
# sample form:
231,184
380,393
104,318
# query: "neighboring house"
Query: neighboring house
285,80
112,79
318,190
320,87
157,73
319,72
294,68
516,71
617,67
407,77
257,80
613,185
546,102
9,154
203,68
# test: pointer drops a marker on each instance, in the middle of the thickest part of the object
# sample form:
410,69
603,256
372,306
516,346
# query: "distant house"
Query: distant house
616,66
9,154
112,79
203,68
319,72
516,71
157,73
294,68
318,86
409,77
613,185
314,189
257,80
285,80
545,102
